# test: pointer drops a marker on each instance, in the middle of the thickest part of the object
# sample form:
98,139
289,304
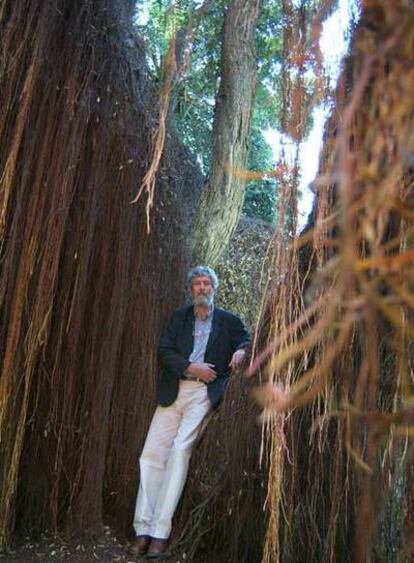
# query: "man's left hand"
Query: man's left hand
237,359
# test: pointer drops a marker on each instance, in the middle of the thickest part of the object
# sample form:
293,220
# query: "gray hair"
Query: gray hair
198,272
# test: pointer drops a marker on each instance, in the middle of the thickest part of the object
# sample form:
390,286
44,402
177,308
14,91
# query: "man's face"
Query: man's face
202,291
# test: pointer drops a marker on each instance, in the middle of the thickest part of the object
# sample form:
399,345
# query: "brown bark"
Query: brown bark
223,195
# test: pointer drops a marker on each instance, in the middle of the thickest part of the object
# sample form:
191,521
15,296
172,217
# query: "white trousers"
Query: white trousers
165,458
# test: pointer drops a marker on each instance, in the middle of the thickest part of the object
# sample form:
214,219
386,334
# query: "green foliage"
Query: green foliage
196,94
260,201
196,91
261,195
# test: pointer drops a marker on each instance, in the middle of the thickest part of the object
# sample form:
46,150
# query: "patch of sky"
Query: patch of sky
335,38
334,44
142,16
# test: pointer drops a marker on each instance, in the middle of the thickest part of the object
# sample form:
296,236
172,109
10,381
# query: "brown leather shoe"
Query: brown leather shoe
139,545
157,548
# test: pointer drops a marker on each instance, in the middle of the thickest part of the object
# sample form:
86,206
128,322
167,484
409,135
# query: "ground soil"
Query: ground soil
49,549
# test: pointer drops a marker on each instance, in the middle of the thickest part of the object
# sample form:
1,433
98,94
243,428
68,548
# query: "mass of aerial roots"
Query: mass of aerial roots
80,284
341,320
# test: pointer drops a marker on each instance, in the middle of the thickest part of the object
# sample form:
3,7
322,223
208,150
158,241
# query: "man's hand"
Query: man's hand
203,371
237,359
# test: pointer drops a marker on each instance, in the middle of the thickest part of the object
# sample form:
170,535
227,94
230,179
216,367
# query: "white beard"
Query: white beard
203,300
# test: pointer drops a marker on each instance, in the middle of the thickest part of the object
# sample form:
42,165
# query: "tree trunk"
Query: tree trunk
223,195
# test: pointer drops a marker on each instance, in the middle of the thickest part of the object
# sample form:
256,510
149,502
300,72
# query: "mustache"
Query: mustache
203,299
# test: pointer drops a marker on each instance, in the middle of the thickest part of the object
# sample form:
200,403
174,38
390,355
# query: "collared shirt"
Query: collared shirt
202,329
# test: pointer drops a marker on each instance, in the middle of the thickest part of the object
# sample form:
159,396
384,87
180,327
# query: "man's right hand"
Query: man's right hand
203,371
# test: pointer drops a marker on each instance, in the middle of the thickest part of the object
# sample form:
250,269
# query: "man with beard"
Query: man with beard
197,351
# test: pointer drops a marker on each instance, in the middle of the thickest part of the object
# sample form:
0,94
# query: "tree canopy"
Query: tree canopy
197,87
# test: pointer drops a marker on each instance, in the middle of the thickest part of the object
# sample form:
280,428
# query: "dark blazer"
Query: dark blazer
228,334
